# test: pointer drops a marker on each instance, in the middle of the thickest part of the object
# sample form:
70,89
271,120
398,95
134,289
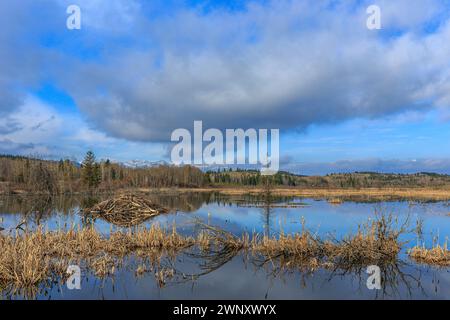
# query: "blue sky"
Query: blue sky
344,97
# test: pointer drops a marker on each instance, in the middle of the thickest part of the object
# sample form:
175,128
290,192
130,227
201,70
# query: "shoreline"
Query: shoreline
414,193
372,193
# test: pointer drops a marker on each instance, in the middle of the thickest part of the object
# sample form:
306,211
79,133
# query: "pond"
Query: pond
239,277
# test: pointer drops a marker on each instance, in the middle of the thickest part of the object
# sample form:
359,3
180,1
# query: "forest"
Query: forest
27,174
65,176
336,180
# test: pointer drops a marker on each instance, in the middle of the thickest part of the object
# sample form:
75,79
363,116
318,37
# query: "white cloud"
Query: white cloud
40,129
409,13
36,122
110,15
369,165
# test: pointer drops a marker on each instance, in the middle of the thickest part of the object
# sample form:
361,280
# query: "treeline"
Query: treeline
56,177
248,178
65,176
340,180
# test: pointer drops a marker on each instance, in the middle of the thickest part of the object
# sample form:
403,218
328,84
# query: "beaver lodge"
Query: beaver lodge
126,210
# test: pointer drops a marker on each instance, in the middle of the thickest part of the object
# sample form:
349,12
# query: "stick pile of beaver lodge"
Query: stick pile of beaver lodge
126,210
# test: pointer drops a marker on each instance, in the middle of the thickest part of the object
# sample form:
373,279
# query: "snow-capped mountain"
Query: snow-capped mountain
143,163
228,166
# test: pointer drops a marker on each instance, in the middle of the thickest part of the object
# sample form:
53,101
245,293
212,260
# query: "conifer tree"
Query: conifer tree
90,171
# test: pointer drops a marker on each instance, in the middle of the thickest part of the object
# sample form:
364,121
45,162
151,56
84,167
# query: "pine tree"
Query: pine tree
90,171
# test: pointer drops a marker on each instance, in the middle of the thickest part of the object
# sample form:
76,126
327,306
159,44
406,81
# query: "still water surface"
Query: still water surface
238,278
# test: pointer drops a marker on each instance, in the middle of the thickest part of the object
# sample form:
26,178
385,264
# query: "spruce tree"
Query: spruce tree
90,171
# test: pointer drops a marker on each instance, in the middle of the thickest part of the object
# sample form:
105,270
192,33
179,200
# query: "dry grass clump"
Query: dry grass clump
376,242
71,243
438,255
126,210
298,251
156,237
335,201
103,266
23,262
31,258
163,275
293,252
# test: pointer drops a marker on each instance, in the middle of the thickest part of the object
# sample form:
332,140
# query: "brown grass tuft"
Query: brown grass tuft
438,255
32,258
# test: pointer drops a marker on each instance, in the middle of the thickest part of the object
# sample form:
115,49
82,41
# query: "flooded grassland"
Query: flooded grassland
212,245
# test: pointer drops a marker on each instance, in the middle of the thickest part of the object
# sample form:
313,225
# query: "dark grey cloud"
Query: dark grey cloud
286,65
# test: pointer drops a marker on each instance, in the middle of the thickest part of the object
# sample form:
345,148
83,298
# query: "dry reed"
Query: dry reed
31,258
438,255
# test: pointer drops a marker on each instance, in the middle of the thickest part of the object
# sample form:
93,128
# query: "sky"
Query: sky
344,97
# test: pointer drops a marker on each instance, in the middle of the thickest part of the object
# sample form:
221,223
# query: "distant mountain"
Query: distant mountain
143,163
204,168
215,168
